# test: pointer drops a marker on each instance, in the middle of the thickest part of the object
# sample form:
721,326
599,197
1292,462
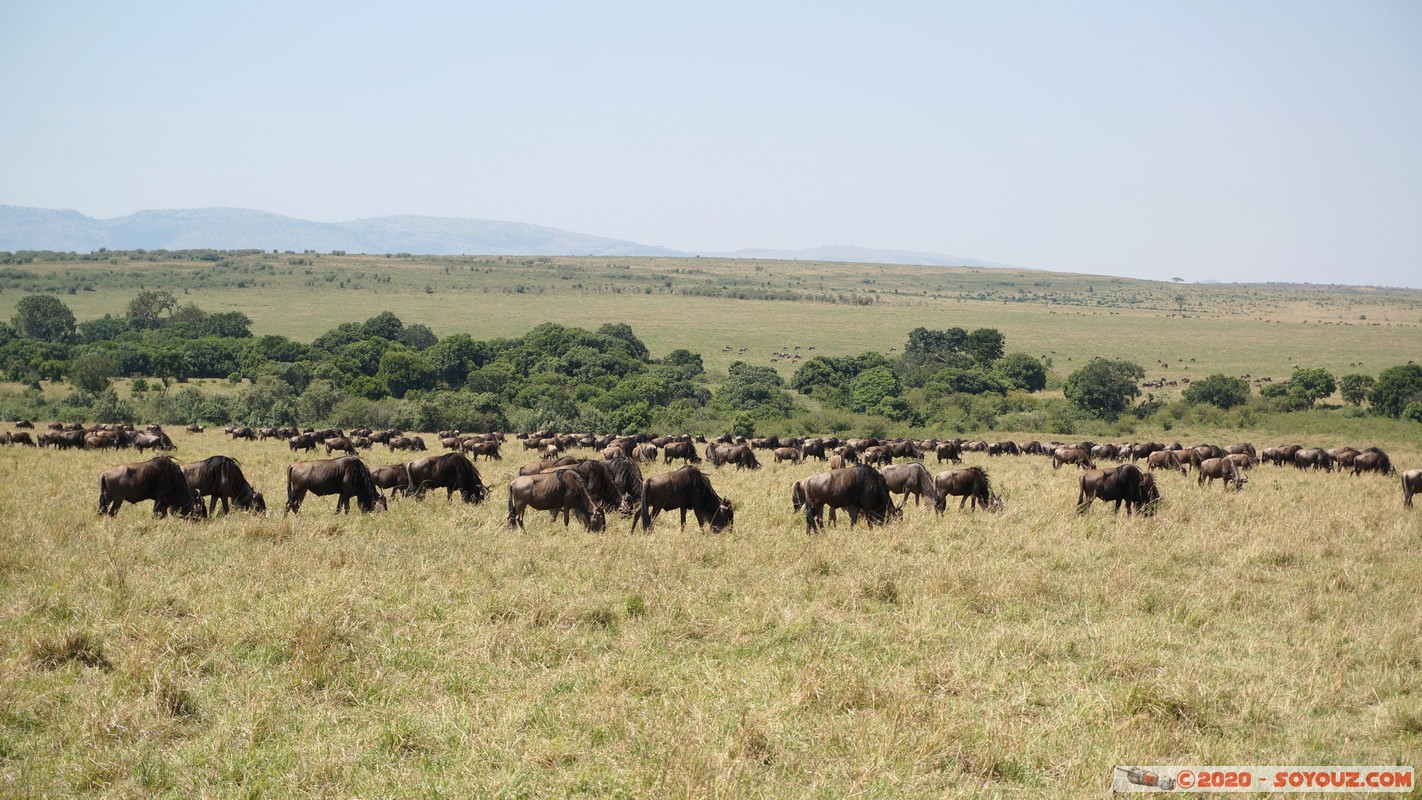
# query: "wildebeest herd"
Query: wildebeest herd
863,476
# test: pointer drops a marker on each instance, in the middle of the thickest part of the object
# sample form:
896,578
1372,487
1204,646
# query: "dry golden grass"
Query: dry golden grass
432,651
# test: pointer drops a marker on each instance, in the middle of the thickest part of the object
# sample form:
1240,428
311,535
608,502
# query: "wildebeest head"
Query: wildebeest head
723,517
258,503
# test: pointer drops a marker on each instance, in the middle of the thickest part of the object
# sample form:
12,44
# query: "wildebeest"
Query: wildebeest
156,441
345,477
948,451
1313,458
790,454
1222,468
243,432
627,477
908,449
194,428
813,448
477,448
560,490
393,477
1072,455
1165,459
159,479
1372,461
645,453
221,478
543,466
1411,484
911,479
858,489
686,488
342,443
406,443
878,454
1125,484
302,441
602,486
451,472
683,450
740,455
22,437
969,483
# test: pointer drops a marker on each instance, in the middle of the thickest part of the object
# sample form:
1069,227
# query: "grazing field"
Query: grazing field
429,651
718,306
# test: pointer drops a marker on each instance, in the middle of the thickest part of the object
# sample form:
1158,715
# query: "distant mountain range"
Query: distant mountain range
23,228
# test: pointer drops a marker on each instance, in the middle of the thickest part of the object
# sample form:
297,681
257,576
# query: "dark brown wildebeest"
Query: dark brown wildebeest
911,479
405,443
683,450
22,437
1004,449
1241,460
1372,460
451,443
1072,455
24,423
1411,484
877,455
716,453
543,466
1144,450
1279,456
837,462
858,489
948,451
243,432
686,488
907,449
790,454
451,472
627,477
645,453
302,441
1106,452
741,456
159,479
1222,468
477,448
1209,451
602,486
221,478
813,448
155,441
100,441
1125,484
969,483
1165,459
1243,447
342,443
394,478
345,477
559,490
1313,458
194,428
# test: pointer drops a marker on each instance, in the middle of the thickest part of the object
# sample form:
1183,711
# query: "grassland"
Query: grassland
429,651
718,306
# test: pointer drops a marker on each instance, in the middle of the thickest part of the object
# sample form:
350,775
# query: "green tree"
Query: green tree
91,374
44,317
385,325
922,341
985,345
871,387
403,370
1311,384
1355,387
418,337
1022,371
1218,390
1104,387
1412,411
228,325
146,310
623,331
1396,388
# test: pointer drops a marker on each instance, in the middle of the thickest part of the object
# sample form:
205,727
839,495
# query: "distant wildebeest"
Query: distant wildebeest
24,423
1313,458
156,441
22,437
683,450
243,432
645,453
543,466
1372,461
194,428
1279,456
908,449
1411,484
1241,460
302,441
602,486
346,477
948,451
394,478
1242,448
813,448
686,488
1165,459
877,455
221,478
912,478
837,462
1004,449
1072,455
741,456
451,472
970,483
858,490
342,443
1124,484
790,454
488,450
1223,469
560,490
159,479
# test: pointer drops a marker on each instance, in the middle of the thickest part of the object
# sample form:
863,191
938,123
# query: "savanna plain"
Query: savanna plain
431,651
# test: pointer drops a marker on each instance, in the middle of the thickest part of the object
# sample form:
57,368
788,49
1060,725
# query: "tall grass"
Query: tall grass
432,651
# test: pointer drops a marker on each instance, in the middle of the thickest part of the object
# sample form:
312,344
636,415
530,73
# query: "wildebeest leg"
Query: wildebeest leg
811,518
293,500
683,519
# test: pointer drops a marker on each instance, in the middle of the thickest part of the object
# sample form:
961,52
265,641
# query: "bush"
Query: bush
1218,390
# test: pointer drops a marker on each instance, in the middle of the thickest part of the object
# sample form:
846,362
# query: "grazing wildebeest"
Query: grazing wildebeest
243,432
1411,484
194,428
683,450
405,443
790,454
156,441
1241,460
302,441
1313,458
342,443
627,477
1004,449
24,423
911,479
345,477
451,472
22,437
1243,447
393,477
1165,459
858,489
1125,484
907,449
477,448
645,453
559,490
543,466
1072,455
601,485
686,488
969,483
221,478
878,454
1372,461
740,455
948,451
159,479
1222,468
813,448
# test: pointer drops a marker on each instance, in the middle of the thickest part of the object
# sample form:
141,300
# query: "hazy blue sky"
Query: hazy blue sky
1209,140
